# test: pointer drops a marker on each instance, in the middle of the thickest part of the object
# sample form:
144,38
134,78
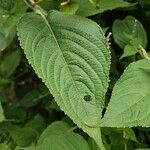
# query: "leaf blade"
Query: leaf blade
73,60
102,6
130,35
131,108
66,139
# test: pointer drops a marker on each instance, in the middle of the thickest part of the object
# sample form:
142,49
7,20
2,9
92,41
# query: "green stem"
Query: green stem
35,7
143,53
101,145
97,136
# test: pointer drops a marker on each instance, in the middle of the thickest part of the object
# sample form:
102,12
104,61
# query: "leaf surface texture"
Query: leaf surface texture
71,56
130,104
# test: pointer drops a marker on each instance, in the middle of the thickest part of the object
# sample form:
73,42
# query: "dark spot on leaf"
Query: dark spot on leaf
87,98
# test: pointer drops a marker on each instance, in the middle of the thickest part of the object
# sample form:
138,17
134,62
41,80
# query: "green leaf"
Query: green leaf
50,105
129,28
10,13
129,134
58,137
129,104
24,136
32,97
71,56
4,147
37,123
68,141
17,109
4,81
129,50
87,9
144,3
50,4
15,113
10,63
58,127
6,5
129,34
3,97
2,118
70,8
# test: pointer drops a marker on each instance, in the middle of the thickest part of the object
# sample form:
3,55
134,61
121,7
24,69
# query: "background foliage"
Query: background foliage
29,117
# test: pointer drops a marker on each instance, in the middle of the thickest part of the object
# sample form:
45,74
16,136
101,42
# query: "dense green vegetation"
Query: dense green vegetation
74,74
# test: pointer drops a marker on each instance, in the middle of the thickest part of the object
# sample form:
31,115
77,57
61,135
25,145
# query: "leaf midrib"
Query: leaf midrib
50,29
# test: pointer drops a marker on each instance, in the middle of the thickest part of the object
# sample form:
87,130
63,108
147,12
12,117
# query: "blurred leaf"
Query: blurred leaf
58,127
129,134
92,144
32,97
17,110
4,147
10,63
128,29
15,113
144,3
62,140
6,5
4,81
87,9
69,8
1,113
10,13
129,34
113,137
50,4
51,105
116,141
68,141
37,123
24,136
3,97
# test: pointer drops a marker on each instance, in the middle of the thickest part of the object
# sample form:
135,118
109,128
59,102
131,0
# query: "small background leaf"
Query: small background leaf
88,9
23,136
10,13
129,34
10,63
70,8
